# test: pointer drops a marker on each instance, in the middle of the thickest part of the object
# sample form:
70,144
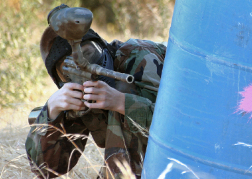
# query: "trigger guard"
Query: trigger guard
82,113
88,110
94,77
71,115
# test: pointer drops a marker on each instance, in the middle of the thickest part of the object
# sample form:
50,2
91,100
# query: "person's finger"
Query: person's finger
75,101
73,86
89,83
97,84
71,94
73,90
94,97
67,101
94,105
76,94
92,90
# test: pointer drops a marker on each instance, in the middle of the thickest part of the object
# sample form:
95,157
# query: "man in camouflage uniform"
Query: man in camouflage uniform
119,120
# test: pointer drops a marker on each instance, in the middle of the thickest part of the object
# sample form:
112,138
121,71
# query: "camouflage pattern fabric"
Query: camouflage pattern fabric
124,137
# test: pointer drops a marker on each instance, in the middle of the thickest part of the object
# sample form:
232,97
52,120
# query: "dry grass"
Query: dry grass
14,129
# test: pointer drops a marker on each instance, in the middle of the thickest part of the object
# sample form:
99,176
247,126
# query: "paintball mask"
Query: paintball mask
55,50
94,53
72,27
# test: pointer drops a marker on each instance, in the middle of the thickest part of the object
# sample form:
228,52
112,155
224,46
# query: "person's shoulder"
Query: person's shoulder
116,44
135,46
139,44
136,51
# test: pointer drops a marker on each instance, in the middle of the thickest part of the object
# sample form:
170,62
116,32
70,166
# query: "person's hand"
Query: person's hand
105,96
66,98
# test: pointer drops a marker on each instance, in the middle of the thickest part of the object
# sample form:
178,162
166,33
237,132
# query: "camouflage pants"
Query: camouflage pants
123,146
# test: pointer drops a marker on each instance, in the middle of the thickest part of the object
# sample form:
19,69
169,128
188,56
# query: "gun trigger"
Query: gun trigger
94,77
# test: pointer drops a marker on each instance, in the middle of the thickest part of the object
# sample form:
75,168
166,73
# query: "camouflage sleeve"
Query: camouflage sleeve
138,111
144,60
46,148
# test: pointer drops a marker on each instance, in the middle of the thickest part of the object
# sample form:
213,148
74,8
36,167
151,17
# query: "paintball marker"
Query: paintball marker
72,24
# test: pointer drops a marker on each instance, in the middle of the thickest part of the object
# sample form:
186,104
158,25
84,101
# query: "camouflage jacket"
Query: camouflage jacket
124,137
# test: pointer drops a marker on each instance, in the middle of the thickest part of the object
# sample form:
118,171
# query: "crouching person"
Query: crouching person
118,120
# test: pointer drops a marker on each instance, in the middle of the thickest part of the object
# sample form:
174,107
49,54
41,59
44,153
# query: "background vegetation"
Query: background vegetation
22,23
24,82
21,68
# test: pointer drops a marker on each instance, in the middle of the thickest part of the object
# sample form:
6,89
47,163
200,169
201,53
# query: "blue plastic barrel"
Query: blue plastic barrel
197,129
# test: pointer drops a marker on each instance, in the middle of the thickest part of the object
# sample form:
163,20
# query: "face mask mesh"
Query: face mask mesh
92,51
61,48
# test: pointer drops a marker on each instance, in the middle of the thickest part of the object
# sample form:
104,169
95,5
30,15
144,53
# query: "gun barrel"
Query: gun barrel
85,72
96,69
70,70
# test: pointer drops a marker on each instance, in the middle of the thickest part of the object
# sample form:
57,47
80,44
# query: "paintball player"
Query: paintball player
120,113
